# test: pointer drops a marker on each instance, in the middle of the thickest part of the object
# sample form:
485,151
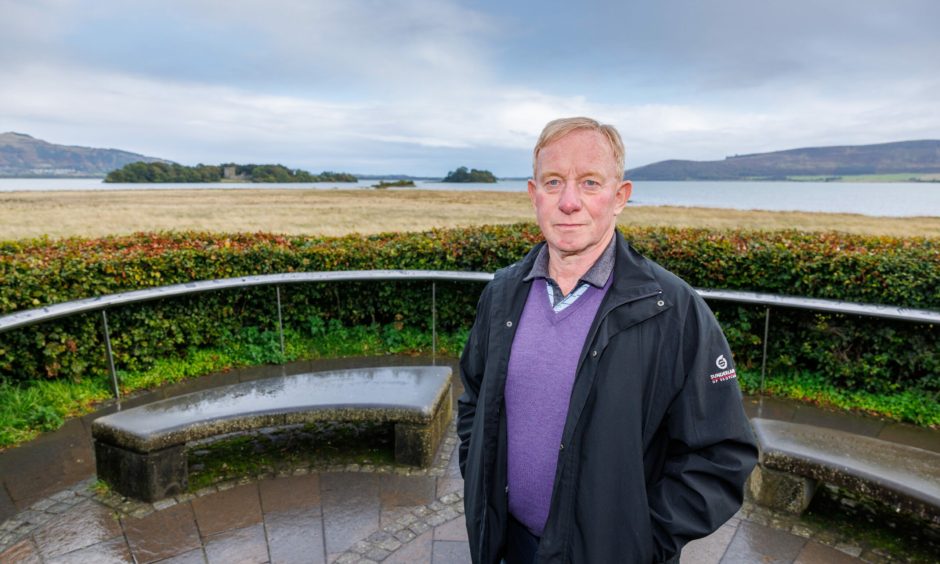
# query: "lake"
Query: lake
868,198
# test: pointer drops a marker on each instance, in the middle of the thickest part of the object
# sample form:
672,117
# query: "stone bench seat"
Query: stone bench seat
140,452
794,457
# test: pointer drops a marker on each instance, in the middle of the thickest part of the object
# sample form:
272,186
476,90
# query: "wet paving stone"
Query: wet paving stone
350,508
418,550
295,536
7,507
454,530
770,408
757,543
245,546
197,556
815,553
231,509
450,552
47,465
86,525
294,492
162,534
449,485
399,491
710,549
23,552
453,467
391,516
113,551
848,422
910,435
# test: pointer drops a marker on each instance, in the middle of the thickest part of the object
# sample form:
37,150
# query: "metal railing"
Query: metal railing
103,303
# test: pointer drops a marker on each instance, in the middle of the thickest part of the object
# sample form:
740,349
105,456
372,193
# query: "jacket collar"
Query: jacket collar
633,277
596,276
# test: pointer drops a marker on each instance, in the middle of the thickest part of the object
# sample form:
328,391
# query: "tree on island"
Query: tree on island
474,175
172,172
164,172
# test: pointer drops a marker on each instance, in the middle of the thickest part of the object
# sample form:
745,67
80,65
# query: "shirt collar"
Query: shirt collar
596,276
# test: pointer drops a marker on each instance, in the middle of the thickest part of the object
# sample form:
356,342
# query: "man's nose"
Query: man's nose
570,199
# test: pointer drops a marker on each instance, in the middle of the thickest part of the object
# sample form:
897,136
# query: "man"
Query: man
601,420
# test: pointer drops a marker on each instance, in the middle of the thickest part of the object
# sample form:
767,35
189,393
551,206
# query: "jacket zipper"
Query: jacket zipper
593,335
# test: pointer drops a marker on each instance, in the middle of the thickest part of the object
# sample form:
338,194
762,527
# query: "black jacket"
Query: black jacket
656,446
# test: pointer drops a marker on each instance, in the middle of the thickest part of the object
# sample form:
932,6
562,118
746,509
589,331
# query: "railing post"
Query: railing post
763,363
107,343
280,323
434,323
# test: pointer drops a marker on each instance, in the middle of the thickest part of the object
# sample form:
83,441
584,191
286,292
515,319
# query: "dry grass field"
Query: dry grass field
338,212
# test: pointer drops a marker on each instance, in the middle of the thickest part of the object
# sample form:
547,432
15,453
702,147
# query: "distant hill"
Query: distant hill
22,155
830,163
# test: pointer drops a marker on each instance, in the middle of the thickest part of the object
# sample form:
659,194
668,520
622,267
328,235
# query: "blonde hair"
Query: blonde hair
556,129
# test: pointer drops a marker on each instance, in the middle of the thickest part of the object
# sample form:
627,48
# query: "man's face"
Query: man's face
578,192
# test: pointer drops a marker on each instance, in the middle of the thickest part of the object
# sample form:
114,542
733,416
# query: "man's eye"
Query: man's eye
553,182
592,183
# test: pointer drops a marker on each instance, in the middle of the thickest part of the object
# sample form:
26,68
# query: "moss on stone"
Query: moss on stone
874,525
318,444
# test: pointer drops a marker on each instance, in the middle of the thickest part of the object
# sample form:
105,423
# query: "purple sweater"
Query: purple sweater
542,365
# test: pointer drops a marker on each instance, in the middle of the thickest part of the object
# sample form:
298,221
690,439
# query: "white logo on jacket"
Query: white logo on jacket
721,362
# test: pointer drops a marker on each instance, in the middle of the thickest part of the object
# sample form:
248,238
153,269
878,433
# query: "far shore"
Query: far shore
98,213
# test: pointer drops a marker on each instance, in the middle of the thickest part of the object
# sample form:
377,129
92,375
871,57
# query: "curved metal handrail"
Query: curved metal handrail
817,304
102,303
66,309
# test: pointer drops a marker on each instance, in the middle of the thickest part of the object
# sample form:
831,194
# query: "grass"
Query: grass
339,212
43,405
913,406
100,487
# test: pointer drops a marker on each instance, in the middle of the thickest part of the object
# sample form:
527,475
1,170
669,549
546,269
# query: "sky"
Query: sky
421,87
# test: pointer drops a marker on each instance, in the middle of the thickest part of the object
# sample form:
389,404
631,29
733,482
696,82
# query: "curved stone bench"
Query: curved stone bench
140,452
794,457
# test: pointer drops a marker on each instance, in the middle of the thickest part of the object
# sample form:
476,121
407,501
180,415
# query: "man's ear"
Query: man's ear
623,195
530,186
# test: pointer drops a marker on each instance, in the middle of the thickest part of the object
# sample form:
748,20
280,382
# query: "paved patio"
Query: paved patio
51,513
325,516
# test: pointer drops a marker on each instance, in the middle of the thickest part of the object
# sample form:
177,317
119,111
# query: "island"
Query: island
474,175
158,172
394,184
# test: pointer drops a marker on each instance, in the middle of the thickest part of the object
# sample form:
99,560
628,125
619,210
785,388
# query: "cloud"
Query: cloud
421,86
369,47
196,122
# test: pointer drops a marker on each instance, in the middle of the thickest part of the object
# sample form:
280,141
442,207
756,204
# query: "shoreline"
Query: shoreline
331,212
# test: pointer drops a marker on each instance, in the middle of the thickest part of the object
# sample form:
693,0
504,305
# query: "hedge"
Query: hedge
854,353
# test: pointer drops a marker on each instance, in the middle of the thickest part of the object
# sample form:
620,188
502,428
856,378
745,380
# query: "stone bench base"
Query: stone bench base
148,477
780,491
795,457
141,452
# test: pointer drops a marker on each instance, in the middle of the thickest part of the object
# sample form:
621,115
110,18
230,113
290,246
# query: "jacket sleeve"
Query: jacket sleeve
472,367
711,450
